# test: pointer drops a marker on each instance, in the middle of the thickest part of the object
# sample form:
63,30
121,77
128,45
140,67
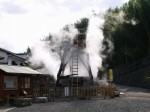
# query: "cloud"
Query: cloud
125,1
12,8
23,22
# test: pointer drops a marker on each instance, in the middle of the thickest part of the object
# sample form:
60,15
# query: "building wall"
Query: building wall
38,79
15,59
10,58
13,92
1,85
25,56
3,54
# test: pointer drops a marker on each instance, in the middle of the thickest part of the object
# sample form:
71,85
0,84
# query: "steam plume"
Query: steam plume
41,54
94,42
48,52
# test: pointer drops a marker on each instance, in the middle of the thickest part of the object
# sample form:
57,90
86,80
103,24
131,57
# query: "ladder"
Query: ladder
74,70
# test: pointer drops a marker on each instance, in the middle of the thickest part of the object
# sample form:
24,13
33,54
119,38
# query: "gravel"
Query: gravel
119,104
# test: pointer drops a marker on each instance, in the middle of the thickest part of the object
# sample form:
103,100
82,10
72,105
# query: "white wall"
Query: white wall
3,54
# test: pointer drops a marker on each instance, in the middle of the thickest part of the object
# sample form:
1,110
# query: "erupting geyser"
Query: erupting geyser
75,67
71,55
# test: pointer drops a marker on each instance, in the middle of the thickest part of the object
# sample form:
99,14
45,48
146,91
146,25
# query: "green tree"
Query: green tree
82,24
130,35
28,51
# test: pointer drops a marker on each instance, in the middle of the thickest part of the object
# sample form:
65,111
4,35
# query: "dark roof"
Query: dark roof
21,53
10,53
1,49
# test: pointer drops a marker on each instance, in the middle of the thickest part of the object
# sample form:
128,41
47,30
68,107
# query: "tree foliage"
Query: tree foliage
128,29
82,24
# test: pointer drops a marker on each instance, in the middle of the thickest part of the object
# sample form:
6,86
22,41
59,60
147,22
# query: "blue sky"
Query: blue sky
24,22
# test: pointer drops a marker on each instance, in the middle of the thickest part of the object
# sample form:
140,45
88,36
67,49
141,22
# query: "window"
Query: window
10,82
14,63
24,82
27,82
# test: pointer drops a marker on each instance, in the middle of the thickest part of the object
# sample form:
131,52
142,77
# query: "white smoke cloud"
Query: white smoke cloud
132,22
47,52
120,17
94,43
102,82
61,44
66,35
41,54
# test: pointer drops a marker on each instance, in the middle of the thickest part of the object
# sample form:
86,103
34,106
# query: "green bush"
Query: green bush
22,102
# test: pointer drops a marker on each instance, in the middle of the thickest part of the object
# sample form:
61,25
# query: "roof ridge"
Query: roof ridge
15,54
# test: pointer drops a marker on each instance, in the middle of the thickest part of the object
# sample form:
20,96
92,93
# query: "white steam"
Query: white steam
41,54
48,52
132,22
120,17
51,52
64,35
94,43
117,18
102,82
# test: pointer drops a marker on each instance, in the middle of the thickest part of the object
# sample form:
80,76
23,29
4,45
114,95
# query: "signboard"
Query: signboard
110,75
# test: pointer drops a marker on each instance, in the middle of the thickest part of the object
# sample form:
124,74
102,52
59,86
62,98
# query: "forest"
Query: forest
128,29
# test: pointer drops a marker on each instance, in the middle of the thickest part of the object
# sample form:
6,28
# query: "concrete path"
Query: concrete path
134,92
5,108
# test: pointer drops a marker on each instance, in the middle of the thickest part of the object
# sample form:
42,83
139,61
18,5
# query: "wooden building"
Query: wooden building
16,79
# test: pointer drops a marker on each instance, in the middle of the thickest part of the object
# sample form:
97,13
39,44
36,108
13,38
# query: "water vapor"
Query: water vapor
60,47
94,42
41,54
49,52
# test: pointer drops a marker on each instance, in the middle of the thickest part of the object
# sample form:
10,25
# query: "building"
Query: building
50,78
10,58
16,78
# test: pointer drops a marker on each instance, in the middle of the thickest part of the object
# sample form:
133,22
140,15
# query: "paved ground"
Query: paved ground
6,108
121,104
134,92
134,100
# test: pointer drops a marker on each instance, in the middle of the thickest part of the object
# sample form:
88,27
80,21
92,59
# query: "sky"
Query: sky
24,22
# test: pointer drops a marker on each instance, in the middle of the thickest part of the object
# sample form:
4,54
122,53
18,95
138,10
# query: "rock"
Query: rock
41,99
117,93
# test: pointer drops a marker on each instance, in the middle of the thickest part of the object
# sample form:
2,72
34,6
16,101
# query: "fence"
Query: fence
77,92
